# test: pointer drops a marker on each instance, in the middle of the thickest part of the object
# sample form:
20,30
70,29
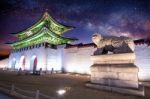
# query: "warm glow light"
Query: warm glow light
61,91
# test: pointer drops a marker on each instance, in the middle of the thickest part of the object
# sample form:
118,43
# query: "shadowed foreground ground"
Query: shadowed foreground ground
49,84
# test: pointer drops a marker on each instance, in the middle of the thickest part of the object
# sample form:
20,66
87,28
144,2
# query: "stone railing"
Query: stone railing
23,94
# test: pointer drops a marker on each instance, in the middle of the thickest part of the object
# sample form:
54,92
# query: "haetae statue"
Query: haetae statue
113,66
112,44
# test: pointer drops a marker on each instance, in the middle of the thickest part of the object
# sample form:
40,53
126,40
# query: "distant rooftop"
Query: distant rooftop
142,41
80,45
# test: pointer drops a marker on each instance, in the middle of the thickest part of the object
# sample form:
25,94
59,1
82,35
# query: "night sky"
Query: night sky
108,17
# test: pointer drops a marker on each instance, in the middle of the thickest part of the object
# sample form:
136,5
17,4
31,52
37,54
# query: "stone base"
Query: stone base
129,91
115,75
123,58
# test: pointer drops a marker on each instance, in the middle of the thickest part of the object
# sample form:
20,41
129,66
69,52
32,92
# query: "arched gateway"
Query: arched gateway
13,63
22,62
33,64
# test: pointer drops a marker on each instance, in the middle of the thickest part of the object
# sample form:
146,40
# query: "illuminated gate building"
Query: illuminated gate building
40,46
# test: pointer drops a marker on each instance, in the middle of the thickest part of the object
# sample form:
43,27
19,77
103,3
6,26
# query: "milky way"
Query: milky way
108,17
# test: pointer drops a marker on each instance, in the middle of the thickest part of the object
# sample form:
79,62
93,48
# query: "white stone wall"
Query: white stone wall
75,59
54,58
47,58
4,63
78,59
28,54
143,61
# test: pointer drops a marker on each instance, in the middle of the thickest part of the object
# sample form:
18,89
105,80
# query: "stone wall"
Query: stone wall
143,61
4,63
47,58
39,53
77,59
54,58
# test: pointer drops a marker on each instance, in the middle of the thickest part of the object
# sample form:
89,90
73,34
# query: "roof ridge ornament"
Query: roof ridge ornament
46,15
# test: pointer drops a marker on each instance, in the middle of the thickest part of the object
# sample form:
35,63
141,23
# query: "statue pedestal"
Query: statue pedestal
125,58
118,75
115,71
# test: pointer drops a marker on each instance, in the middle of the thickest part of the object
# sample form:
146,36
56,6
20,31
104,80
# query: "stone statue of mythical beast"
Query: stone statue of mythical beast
112,44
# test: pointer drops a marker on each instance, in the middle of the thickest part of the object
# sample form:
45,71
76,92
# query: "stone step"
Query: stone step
115,75
114,68
113,58
128,91
115,82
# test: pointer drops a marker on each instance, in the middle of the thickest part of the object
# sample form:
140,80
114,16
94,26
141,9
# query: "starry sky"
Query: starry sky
108,17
